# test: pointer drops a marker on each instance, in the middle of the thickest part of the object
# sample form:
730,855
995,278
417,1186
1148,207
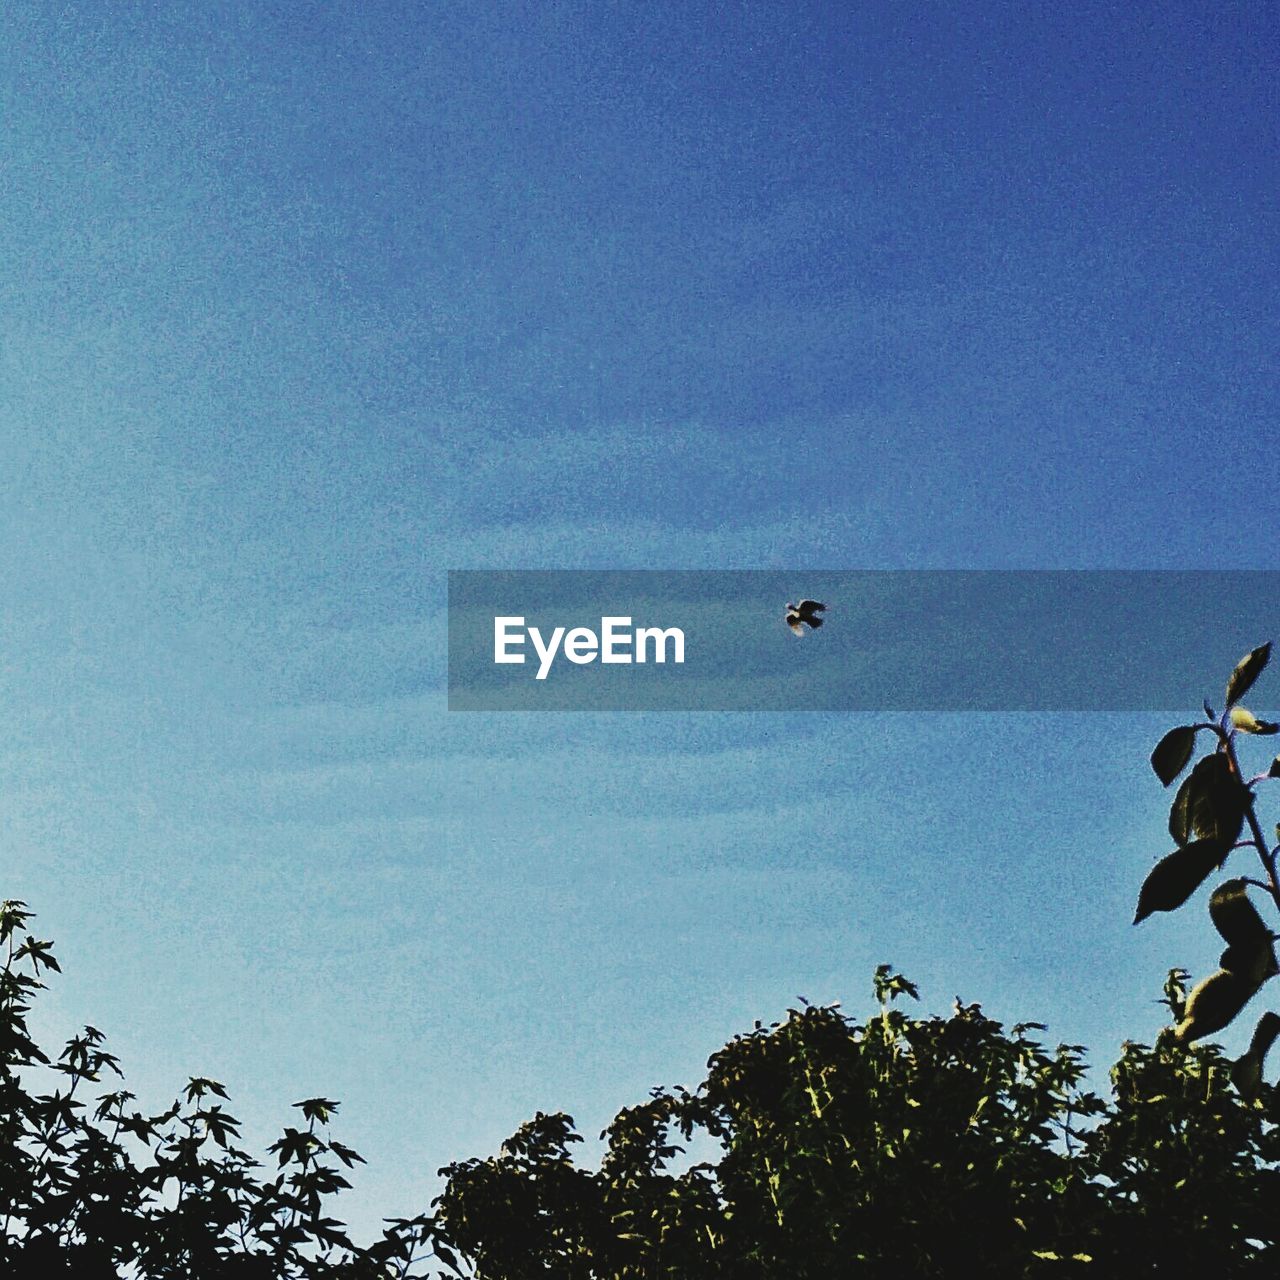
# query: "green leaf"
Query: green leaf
1176,877
1213,1004
1250,949
1244,720
1172,753
1248,669
1210,803
1254,960
1233,915
1246,1071
446,1255
320,1109
889,985
1175,992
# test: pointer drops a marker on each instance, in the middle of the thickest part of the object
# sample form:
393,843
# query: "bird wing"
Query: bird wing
811,606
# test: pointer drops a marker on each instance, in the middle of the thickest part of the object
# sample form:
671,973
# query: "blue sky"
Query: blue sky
303,307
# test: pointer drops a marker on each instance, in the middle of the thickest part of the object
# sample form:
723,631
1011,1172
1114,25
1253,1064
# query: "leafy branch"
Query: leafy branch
1211,810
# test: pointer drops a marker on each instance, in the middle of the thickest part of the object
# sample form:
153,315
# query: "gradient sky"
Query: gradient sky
303,305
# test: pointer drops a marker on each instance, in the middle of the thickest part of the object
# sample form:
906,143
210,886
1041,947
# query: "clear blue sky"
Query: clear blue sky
303,305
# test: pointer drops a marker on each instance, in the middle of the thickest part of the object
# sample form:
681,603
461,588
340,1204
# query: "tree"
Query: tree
920,1146
891,1147
902,1146
95,1188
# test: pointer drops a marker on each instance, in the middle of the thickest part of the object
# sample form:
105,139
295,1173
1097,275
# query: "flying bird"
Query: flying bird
804,614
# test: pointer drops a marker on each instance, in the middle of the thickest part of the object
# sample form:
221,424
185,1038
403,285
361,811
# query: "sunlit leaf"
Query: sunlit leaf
1213,1004
1248,669
1244,720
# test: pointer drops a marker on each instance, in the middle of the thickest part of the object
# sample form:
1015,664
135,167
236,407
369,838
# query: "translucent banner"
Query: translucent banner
853,640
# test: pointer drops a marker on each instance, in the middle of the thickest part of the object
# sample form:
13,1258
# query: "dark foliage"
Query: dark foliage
1214,814
918,1147
930,1147
91,1187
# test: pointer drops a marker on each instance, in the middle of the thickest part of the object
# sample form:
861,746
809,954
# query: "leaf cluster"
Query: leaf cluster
834,1147
1214,807
923,1146
92,1187
899,1146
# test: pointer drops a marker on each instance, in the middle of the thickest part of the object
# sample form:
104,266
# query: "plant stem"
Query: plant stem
1264,853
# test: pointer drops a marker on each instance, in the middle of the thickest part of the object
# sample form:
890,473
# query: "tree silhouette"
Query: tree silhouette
919,1146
